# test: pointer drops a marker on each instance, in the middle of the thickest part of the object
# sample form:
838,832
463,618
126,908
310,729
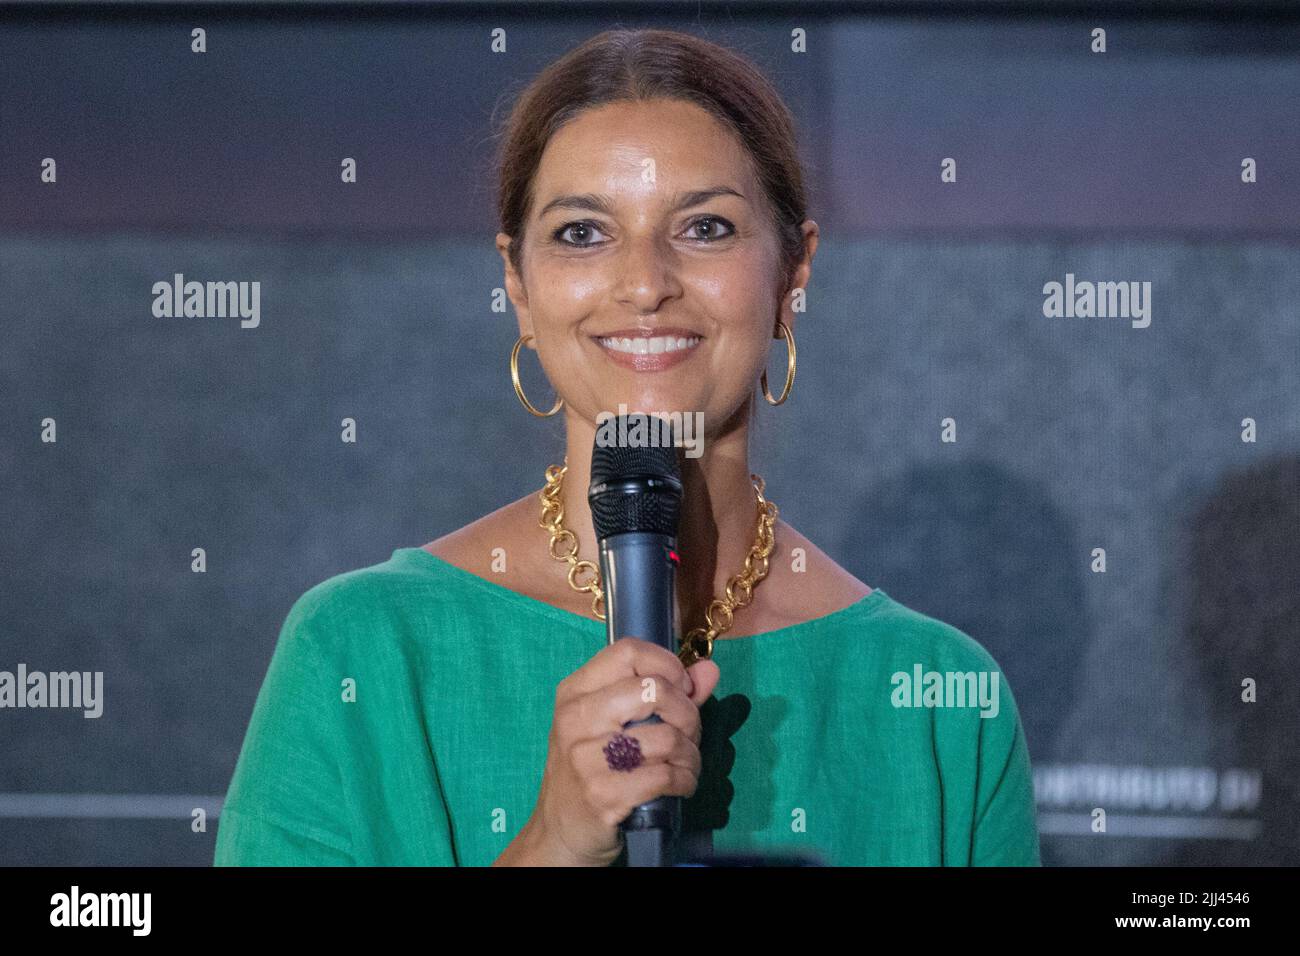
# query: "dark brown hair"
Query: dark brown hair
629,65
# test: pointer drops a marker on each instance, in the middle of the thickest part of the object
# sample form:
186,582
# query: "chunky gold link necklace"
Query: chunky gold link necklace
697,645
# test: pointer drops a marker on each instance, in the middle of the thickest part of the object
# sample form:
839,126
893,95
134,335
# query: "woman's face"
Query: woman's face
647,225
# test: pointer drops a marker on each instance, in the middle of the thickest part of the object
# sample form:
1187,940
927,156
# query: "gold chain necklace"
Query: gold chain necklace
697,645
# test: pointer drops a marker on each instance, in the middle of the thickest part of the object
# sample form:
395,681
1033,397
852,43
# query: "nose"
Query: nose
647,274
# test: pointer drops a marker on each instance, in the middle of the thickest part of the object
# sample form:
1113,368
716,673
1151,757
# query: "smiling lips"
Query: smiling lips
643,351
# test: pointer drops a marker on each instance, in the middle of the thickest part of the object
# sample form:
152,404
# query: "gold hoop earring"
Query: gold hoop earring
519,389
789,370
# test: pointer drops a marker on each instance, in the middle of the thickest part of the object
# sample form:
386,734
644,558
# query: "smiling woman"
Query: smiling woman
448,706
669,249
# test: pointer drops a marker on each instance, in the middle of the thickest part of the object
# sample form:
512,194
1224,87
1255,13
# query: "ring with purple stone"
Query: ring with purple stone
623,753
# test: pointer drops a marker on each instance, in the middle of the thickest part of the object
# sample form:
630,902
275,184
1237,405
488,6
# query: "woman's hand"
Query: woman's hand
582,800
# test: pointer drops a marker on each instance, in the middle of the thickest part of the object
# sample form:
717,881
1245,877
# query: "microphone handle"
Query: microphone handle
640,579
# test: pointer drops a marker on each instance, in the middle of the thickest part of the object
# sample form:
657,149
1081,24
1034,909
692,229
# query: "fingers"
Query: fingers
659,743
671,768
608,709
626,657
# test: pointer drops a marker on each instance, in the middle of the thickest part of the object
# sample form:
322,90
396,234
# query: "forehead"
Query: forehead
605,148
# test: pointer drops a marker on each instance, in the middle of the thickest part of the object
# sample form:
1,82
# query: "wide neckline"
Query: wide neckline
867,602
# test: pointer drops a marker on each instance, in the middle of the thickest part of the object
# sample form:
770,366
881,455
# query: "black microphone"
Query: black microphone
635,497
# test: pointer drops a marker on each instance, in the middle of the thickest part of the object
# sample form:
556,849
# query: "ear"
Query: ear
799,279
515,290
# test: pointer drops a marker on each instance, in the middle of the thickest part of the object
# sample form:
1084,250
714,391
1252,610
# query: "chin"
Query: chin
664,402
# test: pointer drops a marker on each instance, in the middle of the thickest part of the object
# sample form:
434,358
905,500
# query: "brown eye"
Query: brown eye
710,227
582,230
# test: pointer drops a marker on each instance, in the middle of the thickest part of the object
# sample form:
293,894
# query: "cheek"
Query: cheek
568,285
736,284
744,313
580,290
560,291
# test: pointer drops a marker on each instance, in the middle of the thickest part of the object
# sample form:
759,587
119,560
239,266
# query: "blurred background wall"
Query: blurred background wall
926,303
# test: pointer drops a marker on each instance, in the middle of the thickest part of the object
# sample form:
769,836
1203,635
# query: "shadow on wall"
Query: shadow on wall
992,556
1236,586
1231,592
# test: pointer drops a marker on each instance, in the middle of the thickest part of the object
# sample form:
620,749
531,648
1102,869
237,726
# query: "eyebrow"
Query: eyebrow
599,202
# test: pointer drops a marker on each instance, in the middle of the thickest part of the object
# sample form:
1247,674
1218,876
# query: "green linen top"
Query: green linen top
405,715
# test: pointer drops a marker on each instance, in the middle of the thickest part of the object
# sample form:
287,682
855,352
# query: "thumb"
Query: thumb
705,676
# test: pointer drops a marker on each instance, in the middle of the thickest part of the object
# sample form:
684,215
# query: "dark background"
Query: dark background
926,303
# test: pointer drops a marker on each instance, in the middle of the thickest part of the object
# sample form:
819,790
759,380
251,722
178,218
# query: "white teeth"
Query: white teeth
653,345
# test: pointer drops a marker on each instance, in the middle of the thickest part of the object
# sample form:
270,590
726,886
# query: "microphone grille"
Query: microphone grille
635,487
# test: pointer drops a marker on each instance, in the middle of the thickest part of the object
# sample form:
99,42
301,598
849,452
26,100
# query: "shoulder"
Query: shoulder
478,544
899,639
921,637
507,548
910,632
470,548
369,606
803,582
412,587
325,611
948,680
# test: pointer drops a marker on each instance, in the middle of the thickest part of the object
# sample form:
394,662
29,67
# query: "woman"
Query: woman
655,240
